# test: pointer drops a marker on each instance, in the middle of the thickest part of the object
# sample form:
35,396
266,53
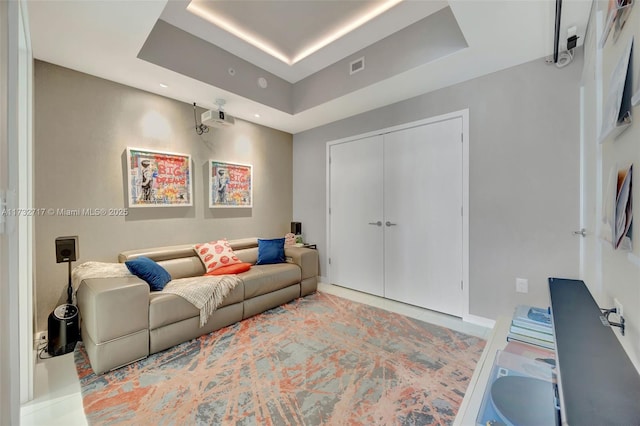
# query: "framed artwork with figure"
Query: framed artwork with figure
158,179
230,184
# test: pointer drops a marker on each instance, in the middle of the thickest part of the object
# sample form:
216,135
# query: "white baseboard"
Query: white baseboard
322,279
481,321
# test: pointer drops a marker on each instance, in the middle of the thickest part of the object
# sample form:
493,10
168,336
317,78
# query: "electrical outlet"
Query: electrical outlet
522,285
618,306
40,342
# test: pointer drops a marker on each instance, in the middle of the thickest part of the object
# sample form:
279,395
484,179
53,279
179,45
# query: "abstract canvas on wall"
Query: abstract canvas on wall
230,184
623,212
617,209
158,179
617,112
617,14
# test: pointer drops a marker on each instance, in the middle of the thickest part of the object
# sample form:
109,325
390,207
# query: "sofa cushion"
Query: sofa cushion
243,243
246,249
113,307
165,308
148,270
261,279
216,254
236,268
249,255
270,251
159,253
183,267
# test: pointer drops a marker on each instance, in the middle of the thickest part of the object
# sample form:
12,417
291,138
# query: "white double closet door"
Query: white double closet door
396,215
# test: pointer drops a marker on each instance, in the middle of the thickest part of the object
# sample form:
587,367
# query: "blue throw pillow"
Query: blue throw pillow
144,268
270,251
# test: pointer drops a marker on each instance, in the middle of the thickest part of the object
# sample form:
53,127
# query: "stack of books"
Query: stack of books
533,326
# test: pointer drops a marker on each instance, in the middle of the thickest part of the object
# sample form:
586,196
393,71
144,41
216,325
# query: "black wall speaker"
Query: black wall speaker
296,228
66,250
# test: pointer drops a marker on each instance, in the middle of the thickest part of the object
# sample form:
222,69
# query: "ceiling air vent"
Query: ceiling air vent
357,65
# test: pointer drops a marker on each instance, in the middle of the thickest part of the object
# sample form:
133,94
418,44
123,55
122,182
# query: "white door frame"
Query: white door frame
464,115
16,192
25,200
590,149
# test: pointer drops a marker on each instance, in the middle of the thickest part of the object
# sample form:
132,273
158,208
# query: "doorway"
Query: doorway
398,226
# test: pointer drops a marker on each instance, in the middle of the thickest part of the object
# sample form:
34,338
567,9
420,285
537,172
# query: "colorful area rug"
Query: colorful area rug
318,360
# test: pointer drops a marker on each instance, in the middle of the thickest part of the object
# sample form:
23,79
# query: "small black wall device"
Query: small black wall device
63,323
66,249
296,228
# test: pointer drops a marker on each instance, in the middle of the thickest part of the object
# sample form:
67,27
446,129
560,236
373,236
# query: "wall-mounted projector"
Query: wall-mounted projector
218,119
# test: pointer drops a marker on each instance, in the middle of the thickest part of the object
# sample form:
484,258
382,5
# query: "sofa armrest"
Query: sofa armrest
305,258
113,307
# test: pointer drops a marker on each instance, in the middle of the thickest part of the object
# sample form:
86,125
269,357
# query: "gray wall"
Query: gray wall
524,177
83,125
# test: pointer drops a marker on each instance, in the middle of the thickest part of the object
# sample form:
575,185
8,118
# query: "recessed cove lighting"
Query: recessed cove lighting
198,8
256,115
164,86
202,12
350,26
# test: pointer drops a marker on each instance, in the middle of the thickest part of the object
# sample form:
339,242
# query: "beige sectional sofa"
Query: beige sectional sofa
123,321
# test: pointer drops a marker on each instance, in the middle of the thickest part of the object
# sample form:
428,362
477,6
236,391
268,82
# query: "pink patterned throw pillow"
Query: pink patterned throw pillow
216,254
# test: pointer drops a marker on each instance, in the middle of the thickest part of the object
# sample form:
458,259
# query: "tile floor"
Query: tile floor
57,399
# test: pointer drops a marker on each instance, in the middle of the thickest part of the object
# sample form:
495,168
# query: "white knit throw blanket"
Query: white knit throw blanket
205,293
88,270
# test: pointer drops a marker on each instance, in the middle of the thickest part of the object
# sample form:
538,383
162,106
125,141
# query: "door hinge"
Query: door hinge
462,211
329,261
461,285
462,137
329,210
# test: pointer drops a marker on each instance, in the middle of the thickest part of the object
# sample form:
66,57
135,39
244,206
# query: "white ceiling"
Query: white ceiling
103,38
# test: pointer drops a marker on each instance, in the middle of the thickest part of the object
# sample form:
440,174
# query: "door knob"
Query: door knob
378,223
582,232
390,224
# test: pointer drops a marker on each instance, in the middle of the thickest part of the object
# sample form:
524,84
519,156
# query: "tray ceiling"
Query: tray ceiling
106,39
